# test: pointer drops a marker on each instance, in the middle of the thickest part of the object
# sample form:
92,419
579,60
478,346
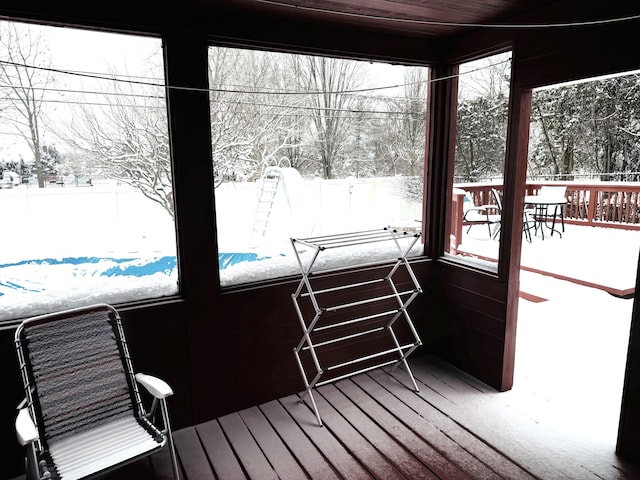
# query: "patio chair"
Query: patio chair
527,221
495,218
555,192
488,215
83,413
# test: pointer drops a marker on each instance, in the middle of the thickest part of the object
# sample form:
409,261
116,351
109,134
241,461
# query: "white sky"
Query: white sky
83,51
98,52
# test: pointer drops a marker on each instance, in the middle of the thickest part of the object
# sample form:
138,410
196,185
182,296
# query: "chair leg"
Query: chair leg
527,230
496,231
172,448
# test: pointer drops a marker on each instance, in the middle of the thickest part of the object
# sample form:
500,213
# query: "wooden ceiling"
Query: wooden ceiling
437,21
427,19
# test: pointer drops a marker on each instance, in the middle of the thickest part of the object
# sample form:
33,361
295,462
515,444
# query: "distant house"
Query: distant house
9,179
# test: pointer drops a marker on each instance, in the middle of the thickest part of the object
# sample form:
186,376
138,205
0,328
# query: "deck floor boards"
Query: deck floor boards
219,452
375,427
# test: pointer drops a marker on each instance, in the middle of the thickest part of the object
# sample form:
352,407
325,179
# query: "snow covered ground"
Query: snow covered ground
604,256
70,246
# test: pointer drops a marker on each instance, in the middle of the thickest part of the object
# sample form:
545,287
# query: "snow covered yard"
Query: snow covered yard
69,246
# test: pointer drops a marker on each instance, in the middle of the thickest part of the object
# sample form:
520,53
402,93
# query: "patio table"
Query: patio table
541,206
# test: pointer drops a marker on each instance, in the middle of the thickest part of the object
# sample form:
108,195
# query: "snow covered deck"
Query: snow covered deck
574,319
603,258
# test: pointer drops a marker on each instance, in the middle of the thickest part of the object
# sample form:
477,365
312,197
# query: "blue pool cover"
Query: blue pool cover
129,266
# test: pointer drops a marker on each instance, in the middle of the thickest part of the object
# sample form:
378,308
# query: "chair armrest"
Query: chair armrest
25,428
487,207
156,387
480,210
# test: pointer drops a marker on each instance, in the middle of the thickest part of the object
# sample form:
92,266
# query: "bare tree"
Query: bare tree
401,133
24,78
252,125
328,81
128,137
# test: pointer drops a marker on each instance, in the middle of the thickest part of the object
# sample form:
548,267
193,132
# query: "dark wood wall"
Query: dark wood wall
226,350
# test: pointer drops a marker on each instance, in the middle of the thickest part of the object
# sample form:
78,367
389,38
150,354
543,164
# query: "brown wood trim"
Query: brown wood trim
441,147
515,175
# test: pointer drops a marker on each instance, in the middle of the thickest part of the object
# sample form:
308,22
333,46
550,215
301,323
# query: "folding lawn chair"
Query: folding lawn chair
83,414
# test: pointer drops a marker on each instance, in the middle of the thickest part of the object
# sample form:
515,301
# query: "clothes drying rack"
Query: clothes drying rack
373,315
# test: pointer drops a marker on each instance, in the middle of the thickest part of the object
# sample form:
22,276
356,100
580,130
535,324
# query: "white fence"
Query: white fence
315,207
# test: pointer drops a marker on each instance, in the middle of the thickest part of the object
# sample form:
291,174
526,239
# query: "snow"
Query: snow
63,247
571,347
305,208
598,255
570,359
71,246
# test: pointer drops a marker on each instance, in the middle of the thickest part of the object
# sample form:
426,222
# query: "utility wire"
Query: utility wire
142,95
356,113
227,90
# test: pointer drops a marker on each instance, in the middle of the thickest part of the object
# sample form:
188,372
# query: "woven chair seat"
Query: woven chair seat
101,447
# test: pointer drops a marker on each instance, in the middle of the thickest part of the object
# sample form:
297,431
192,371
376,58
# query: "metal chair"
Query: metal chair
555,192
527,220
83,414
481,215
489,215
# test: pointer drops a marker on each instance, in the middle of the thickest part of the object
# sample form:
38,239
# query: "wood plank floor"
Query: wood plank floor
375,427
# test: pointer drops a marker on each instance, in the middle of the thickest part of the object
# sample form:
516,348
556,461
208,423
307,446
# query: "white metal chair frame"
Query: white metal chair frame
82,453
489,215
495,219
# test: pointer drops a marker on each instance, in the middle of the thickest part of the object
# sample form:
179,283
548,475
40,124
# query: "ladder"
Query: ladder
266,198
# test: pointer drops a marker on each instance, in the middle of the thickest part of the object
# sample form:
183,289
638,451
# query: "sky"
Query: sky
82,51
97,52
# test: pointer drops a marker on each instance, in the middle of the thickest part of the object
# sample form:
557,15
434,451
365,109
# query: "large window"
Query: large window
481,130
306,146
86,195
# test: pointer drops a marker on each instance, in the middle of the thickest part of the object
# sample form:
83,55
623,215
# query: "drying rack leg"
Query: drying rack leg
308,387
313,405
403,361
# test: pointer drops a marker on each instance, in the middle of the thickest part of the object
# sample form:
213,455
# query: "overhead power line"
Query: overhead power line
357,113
129,80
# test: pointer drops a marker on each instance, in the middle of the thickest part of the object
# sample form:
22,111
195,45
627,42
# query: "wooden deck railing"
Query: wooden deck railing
597,204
